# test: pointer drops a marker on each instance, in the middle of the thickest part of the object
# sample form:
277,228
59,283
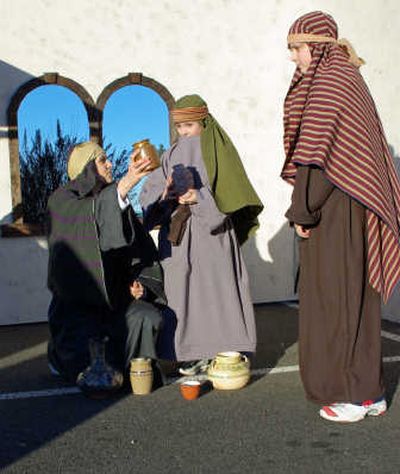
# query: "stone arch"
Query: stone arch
18,227
135,78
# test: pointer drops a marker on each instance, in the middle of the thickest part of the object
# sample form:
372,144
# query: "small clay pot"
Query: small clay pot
190,389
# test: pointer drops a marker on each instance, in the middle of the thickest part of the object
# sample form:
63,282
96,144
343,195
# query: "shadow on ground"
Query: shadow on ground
30,425
277,328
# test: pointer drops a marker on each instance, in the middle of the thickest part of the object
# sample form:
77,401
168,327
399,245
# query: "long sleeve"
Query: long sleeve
155,211
114,227
311,190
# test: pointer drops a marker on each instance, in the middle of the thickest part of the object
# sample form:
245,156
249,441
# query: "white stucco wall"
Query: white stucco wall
231,52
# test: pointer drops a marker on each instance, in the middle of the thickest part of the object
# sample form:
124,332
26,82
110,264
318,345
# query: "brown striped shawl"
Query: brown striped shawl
330,121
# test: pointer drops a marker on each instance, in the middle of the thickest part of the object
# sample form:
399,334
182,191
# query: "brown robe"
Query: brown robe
339,327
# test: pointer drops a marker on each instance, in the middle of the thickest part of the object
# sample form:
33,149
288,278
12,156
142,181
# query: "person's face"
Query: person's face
189,129
300,54
104,168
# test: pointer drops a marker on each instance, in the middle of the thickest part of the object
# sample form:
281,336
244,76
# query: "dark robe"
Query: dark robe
339,327
95,251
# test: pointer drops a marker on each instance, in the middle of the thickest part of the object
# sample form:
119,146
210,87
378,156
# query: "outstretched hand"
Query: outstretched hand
136,171
138,167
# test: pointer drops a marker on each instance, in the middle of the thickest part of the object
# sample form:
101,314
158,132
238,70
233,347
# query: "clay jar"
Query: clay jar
190,389
229,371
147,150
141,376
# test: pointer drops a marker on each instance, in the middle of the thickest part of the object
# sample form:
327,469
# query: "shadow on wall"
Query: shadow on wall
277,324
391,310
396,159
23,279
275,278
11,79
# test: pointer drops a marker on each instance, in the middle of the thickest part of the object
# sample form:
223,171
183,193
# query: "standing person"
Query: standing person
346,210
103,270
207,208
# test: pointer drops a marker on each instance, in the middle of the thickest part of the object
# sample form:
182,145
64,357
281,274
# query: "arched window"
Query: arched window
155,113
133,113
22,217
51,119
94,111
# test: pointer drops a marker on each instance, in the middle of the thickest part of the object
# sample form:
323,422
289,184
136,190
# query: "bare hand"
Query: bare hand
190,197
302,231
136,289
136,171
138,167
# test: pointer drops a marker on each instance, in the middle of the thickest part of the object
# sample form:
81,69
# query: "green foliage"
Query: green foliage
160,150
119,160
43,168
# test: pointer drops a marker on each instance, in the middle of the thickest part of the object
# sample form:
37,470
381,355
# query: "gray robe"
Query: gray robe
206,281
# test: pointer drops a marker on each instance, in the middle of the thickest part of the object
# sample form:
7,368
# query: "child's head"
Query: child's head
189,114
189,129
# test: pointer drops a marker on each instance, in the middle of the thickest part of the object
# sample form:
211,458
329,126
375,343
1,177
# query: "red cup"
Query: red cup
190,389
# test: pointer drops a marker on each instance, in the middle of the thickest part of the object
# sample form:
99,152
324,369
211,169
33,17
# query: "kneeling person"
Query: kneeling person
103,270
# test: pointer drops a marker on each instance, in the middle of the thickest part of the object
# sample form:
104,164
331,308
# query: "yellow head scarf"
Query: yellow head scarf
80,156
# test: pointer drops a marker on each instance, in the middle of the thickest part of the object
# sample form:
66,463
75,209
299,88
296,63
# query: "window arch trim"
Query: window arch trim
95,116
136,78
18,228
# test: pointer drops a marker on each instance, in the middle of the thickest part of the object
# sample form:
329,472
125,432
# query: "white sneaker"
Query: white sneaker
350,412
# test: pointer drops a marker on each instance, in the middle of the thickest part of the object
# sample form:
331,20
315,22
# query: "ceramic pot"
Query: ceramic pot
99,379
141,376
229,371
147,150
190,389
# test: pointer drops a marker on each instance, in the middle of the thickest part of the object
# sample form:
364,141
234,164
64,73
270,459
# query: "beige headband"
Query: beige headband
344,43
189,114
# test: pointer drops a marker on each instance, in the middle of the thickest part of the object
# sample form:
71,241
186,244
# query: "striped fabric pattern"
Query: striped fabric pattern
330,121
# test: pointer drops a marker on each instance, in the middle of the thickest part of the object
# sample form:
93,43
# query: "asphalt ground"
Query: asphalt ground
48,426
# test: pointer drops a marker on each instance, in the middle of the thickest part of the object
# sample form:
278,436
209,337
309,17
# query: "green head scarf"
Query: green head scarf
233,192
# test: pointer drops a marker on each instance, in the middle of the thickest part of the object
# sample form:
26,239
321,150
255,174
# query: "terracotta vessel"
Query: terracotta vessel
147,150
229,371
99,379
190,389
141,376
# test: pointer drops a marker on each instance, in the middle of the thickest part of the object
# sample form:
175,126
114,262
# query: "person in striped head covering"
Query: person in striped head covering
346,210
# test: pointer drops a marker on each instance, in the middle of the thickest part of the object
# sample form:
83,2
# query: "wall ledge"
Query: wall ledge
22,230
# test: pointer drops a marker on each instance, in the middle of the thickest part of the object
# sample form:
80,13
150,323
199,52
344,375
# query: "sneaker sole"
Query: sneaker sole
372,413
345,422
376,413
